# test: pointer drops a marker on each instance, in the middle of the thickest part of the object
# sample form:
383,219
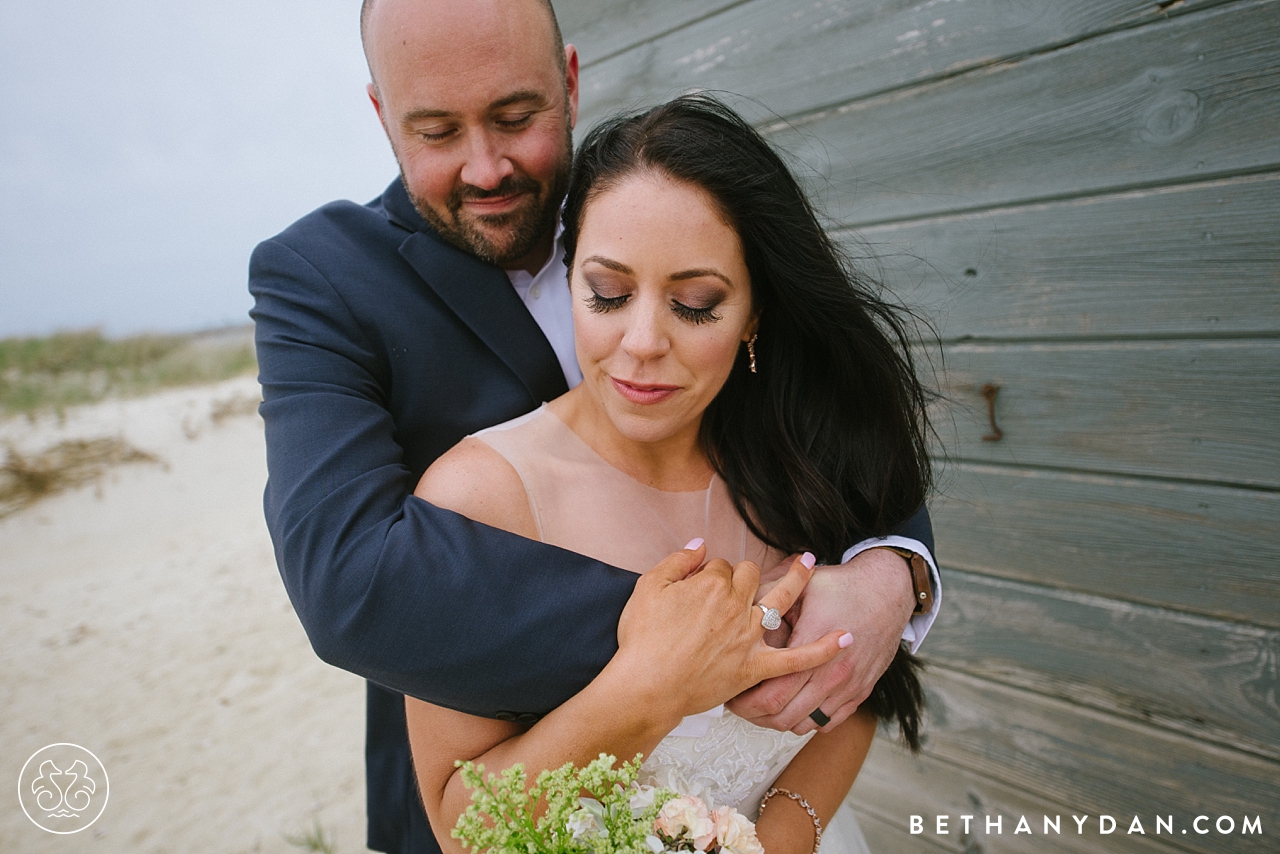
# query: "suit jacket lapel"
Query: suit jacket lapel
481,295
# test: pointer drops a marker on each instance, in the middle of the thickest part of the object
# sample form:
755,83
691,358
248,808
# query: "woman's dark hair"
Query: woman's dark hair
826,445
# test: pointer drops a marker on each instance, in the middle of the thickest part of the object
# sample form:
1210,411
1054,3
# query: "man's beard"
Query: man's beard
519,231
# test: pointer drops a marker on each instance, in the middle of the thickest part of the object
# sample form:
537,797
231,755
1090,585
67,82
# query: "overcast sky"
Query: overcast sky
146,146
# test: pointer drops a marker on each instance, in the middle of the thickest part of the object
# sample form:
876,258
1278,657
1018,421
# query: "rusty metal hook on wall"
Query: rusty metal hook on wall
989,391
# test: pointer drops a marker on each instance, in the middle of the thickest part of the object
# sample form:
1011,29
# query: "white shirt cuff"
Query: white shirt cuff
919,625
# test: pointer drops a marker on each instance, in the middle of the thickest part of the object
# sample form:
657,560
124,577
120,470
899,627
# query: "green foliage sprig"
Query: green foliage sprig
617,817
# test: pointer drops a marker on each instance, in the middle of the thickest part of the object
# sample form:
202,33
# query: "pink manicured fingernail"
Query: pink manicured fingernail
694,543
808,560
845,640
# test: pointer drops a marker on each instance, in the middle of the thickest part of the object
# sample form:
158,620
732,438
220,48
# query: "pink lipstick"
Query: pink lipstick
644,393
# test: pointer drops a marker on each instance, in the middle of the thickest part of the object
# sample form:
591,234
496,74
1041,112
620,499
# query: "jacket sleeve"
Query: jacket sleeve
919,528
410,596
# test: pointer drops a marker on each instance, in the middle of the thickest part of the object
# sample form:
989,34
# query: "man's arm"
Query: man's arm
914,535
413,597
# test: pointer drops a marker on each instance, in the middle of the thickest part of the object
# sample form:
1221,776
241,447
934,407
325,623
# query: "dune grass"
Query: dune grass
25,479
70,368
315,840
52,373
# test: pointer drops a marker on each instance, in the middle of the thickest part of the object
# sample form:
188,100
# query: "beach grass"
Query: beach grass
70,368
315,840
25,479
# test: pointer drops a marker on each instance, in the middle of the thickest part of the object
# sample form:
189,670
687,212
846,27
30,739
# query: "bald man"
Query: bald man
387,332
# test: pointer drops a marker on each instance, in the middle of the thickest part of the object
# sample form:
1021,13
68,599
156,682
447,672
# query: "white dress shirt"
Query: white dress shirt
546,295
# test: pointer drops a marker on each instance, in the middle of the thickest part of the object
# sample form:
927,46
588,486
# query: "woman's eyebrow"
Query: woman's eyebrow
616,266
699,273
696,273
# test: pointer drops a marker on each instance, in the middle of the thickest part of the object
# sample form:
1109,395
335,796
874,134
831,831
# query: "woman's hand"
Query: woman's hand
781,636
872,593
690,639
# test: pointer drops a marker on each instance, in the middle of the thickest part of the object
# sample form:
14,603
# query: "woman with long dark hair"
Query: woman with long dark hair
743,385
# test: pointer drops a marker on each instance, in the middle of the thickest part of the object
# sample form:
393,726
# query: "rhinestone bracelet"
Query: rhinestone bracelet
817,825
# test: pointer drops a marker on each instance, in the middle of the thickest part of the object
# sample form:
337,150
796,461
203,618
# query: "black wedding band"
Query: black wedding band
819,718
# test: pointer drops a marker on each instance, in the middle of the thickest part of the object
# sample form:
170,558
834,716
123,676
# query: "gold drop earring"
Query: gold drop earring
751,351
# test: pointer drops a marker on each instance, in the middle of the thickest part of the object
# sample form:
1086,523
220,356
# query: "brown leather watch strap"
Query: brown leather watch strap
921,589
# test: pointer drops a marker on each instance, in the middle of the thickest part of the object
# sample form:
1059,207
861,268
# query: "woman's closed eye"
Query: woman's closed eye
599,304
695,314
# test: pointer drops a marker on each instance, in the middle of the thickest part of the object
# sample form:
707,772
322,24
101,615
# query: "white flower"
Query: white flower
592,806
586,821
641,799
735,834
655,844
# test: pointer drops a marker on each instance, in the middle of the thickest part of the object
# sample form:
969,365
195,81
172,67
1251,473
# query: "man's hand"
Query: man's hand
872,596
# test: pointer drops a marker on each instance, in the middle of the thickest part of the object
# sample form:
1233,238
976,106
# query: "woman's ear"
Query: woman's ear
752,326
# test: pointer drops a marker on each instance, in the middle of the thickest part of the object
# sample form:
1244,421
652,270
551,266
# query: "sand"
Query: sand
143,618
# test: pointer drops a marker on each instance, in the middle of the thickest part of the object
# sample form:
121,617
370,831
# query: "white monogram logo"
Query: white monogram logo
63,788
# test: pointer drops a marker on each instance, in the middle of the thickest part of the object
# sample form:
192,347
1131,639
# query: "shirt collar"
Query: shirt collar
522,279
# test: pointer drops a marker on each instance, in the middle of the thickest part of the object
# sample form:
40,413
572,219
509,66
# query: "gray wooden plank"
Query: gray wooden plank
1201,549
1100,764
1117,657
796,57
1205,410
1198,96
1199,259
893,786
601,28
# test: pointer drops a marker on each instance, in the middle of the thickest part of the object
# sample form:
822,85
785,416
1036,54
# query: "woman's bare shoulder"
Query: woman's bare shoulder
475,480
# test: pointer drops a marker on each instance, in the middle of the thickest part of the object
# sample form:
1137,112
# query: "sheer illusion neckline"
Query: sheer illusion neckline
581,502
582,444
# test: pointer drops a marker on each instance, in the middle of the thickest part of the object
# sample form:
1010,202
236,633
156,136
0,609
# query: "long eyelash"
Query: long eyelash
598,304
694,315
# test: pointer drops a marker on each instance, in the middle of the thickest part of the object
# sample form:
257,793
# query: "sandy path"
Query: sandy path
144,619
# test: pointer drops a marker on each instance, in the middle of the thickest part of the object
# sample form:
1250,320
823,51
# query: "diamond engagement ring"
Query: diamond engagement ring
772,619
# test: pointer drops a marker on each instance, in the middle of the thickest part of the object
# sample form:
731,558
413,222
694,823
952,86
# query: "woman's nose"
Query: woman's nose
646,336
486,165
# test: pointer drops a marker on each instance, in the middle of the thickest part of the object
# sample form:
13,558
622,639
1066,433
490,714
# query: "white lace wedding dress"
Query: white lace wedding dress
580,502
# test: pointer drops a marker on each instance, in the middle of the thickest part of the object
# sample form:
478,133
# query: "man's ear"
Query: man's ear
571,81
377,105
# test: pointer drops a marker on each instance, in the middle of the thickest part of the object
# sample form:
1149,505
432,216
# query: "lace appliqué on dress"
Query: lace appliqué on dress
732,764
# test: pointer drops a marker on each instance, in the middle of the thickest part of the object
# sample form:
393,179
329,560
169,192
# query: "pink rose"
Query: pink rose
735,834
686,816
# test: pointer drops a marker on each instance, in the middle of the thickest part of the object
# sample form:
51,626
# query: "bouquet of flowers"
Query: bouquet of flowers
618,817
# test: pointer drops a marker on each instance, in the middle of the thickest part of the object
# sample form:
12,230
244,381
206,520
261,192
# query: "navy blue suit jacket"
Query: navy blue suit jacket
380,346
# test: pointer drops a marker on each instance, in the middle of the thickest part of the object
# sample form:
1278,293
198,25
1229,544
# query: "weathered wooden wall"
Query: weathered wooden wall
1084,195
